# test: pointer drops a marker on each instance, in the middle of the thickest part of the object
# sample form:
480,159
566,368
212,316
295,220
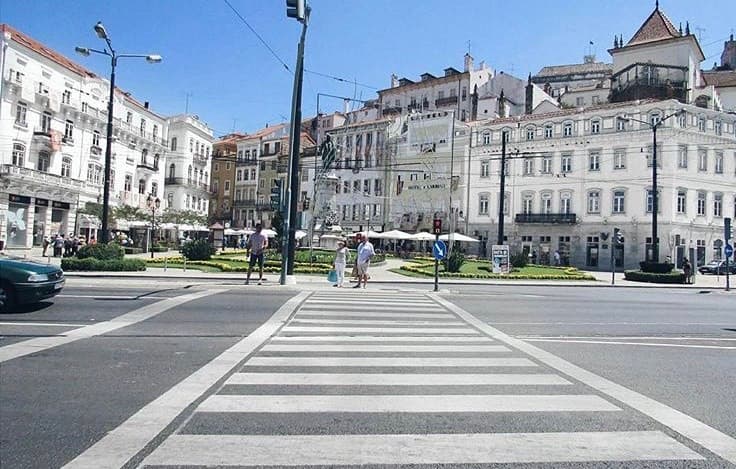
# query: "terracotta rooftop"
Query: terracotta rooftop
561,70
720,79
655,28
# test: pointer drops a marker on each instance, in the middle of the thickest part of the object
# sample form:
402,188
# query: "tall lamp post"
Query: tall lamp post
114,56
655,196
154,203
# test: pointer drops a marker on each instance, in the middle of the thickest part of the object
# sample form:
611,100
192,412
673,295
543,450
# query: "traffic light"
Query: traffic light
276,195
437,226
618,237
295,9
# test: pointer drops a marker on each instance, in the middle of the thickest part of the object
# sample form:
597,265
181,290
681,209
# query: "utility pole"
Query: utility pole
655,205
502,195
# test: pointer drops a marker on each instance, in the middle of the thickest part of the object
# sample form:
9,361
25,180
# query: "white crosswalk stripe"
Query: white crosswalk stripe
372,356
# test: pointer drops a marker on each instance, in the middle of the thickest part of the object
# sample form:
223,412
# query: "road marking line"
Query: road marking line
387,302
384,330
389,379
563,323
615,337
432,449
128,439
384,322
645,344
370,314
481,339
367,307
115,297
384,348
27,347
715,441
388,361
45,324
367,403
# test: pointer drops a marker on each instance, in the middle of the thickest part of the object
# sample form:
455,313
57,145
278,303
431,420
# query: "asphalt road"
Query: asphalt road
181,374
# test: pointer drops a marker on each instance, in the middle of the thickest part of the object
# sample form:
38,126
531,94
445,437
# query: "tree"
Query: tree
188,217
130,213
95,209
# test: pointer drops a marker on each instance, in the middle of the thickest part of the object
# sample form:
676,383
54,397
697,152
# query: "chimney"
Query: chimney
145,105
345,106
394,81
468,63
728,58
529,102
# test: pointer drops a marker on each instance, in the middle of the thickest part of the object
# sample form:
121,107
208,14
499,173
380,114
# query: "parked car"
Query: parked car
717,268
24,282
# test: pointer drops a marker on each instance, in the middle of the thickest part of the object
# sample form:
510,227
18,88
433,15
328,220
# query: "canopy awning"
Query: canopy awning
394,234
422,236
89,221
459,237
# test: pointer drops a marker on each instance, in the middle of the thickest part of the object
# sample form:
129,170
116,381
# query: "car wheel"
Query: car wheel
7,296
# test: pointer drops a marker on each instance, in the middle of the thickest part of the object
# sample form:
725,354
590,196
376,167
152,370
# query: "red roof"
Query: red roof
655,28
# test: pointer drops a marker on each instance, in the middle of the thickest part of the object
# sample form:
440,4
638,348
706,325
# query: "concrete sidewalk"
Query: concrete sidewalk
380,274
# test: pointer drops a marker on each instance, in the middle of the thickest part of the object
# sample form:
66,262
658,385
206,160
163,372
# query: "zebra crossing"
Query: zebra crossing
376,378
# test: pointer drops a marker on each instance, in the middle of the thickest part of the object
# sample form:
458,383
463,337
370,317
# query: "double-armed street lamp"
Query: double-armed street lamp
654,125
114,56
153,203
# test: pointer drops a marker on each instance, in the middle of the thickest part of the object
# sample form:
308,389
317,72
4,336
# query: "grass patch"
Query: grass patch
482,270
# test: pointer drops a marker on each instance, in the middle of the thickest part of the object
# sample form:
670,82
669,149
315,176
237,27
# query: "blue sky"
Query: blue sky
234,82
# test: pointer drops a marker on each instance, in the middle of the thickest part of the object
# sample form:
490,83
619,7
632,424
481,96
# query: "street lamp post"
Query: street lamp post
154,203
114,56
655,196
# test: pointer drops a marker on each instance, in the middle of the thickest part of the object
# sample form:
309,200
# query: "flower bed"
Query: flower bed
650,277
91,264
556,273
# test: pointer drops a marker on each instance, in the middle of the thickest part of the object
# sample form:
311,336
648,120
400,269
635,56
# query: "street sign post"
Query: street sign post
500,258
439,249
728,249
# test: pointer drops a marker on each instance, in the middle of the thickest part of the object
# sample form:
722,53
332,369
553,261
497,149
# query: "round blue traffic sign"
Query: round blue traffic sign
728,250
439,249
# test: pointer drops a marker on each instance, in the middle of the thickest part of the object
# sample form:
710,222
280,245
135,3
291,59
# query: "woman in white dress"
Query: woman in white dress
342,256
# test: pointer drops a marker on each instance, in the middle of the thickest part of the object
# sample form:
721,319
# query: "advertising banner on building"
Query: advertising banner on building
500,259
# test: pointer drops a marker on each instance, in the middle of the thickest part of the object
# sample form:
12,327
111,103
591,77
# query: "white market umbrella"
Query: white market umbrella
300,234
459,237
268,233
370,234
422,236
394,234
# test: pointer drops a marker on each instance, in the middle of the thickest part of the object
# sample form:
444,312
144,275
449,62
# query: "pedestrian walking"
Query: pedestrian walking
46,243
687,270
365,253
557,258
257,244
342,256
58,245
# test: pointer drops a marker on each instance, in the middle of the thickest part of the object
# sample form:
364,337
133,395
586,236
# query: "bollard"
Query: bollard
185,263
166,261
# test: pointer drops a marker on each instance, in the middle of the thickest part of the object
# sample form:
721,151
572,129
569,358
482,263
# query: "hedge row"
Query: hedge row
574,276
639,276
224,267
94,265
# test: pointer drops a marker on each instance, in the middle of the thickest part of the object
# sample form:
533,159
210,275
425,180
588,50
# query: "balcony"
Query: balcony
245,203
29,176
445,101
200,158
392,110
148,167
247,162
95,151
644,81
191,183
42,135
549,218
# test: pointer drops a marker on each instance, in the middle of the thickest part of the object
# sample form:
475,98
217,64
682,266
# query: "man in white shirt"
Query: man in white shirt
257,244
363,261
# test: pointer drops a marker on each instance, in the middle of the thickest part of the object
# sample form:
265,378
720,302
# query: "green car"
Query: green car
23,282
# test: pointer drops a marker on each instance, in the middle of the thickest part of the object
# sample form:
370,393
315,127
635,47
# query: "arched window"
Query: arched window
173,144
156,157
189,175
44,161
19,154
172,171
66,167
170,200
144,156
141,186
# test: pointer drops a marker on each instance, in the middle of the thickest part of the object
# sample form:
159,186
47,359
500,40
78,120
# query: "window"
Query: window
650,201
367,186
96,138
189,174
155,132
141,186
527,204
69,130
377,187
717,204
464,93
44,160
719,162
619,159
654,118
239,176
66,97
682,157
440,94
530,131
143,127
129,117
486,138
485,166
701,124
253,173
20,114
128,184
356,187
227,186
173,143
718,126
46,122
191,145
595,126
19,154
682,120
594,161
682,201
528,166
154,189
579,101
483,204
548,130
567,129
144,156
547,164
566,166
546,202
66,167
594,201
506,203
702,159
620,124
701,203
566,203
188,203
619,201
94,173
346,187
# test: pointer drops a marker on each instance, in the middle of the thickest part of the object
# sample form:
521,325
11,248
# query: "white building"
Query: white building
53,116
188,164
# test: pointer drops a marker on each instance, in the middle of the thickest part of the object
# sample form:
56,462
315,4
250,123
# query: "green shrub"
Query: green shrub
101,252
656,267
133,250
519,260
455,261
160,248
90,264
650,277
198,250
